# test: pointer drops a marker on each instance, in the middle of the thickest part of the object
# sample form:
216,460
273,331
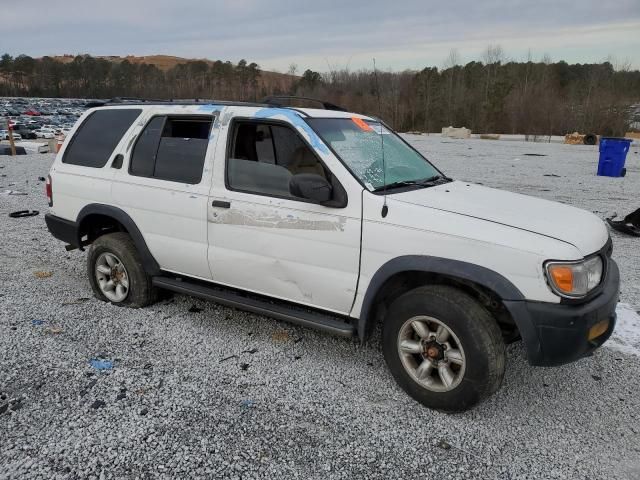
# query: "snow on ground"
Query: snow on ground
626,336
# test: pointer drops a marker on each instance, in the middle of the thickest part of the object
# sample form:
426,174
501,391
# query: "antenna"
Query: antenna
385,208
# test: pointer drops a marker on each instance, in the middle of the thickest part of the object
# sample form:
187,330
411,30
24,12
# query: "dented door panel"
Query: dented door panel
287,249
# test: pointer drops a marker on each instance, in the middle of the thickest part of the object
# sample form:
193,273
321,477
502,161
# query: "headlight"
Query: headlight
574,279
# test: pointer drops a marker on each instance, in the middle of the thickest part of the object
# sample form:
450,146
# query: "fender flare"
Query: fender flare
148,262
444,266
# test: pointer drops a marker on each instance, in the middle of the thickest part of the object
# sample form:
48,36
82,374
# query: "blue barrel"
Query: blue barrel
613,153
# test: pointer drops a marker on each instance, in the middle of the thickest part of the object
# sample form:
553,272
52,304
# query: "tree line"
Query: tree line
491,95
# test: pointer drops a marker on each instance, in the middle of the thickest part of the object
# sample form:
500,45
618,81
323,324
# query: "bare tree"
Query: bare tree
453,60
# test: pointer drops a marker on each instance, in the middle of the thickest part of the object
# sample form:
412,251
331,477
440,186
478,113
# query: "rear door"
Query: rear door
264,239
163,185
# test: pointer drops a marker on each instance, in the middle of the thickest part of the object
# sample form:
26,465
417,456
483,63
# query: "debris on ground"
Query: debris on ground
252,351
443,444
629,225
55,330
24,213
551,175
247,404
490,136
280,335
100,364
228,358
576,138
534,154
98,404
13,192
42,274
244,366
195,309
37,322
10,404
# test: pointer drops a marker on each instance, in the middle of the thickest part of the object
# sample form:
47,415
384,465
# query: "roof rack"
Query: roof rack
283,101
277,100
170,101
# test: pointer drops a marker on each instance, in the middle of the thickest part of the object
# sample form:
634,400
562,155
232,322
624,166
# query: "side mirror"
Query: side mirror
310,186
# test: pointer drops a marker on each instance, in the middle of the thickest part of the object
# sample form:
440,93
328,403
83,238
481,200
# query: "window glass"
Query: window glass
359,144
143,157
264,144
172,148
97,137
255,167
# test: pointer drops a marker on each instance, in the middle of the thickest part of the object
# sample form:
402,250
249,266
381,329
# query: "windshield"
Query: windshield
358,143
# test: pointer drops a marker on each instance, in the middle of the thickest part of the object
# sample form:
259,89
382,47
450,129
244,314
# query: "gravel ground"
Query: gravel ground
210,392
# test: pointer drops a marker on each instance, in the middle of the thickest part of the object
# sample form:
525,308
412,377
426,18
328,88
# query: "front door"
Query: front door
264,239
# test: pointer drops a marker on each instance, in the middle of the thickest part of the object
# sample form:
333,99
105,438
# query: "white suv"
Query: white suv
329,219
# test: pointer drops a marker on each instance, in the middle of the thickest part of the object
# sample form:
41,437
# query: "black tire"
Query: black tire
477,332
590,139
140,291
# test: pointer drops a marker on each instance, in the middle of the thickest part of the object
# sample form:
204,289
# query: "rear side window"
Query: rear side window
172,148
97,137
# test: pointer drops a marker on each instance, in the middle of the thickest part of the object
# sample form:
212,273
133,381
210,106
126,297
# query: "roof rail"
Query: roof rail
276,100
170,101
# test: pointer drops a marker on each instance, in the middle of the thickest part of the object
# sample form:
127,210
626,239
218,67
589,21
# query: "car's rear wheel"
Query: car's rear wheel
116,273
443,348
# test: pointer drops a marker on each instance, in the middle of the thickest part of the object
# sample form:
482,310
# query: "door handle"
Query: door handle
221,204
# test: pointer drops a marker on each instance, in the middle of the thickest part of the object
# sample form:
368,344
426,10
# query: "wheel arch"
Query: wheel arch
97,219
404,273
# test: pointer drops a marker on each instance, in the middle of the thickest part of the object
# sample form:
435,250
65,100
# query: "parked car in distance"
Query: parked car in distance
24,131
329,219
4,135
46,133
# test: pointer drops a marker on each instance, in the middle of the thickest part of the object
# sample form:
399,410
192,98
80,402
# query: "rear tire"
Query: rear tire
116,273
443,348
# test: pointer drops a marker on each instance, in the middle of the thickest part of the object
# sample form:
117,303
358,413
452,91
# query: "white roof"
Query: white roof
322,113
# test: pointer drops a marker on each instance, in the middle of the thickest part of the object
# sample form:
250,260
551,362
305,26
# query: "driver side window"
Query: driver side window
263,157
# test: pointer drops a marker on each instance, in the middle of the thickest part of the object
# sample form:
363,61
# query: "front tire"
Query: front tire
116,273
443,348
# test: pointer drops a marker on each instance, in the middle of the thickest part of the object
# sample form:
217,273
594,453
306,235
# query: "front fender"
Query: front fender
489,279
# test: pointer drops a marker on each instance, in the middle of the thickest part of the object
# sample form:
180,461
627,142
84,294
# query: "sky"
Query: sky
327,34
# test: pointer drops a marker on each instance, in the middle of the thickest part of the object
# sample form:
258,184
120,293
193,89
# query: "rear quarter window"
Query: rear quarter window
97,137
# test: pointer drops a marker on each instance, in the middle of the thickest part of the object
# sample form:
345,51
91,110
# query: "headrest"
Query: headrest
304,158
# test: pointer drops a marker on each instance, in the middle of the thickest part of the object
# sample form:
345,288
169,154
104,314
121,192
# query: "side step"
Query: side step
257,304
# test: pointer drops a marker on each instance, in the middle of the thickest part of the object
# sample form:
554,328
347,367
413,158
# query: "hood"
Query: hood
572,225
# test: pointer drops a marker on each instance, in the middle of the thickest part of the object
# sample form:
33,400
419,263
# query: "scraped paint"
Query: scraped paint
254,219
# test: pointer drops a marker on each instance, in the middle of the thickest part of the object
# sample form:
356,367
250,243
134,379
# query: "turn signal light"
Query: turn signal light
598,329
562,276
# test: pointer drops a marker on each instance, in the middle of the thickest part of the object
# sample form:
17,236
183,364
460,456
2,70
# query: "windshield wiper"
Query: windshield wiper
426,182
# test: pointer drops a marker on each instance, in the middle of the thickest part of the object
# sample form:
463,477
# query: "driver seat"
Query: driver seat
305,162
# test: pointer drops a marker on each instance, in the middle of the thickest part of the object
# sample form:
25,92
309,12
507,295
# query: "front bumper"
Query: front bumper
555,333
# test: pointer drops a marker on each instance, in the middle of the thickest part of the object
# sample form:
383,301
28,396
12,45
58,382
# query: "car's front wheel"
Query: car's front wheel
443,348
116,273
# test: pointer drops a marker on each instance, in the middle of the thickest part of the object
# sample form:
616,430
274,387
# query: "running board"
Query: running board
253,303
